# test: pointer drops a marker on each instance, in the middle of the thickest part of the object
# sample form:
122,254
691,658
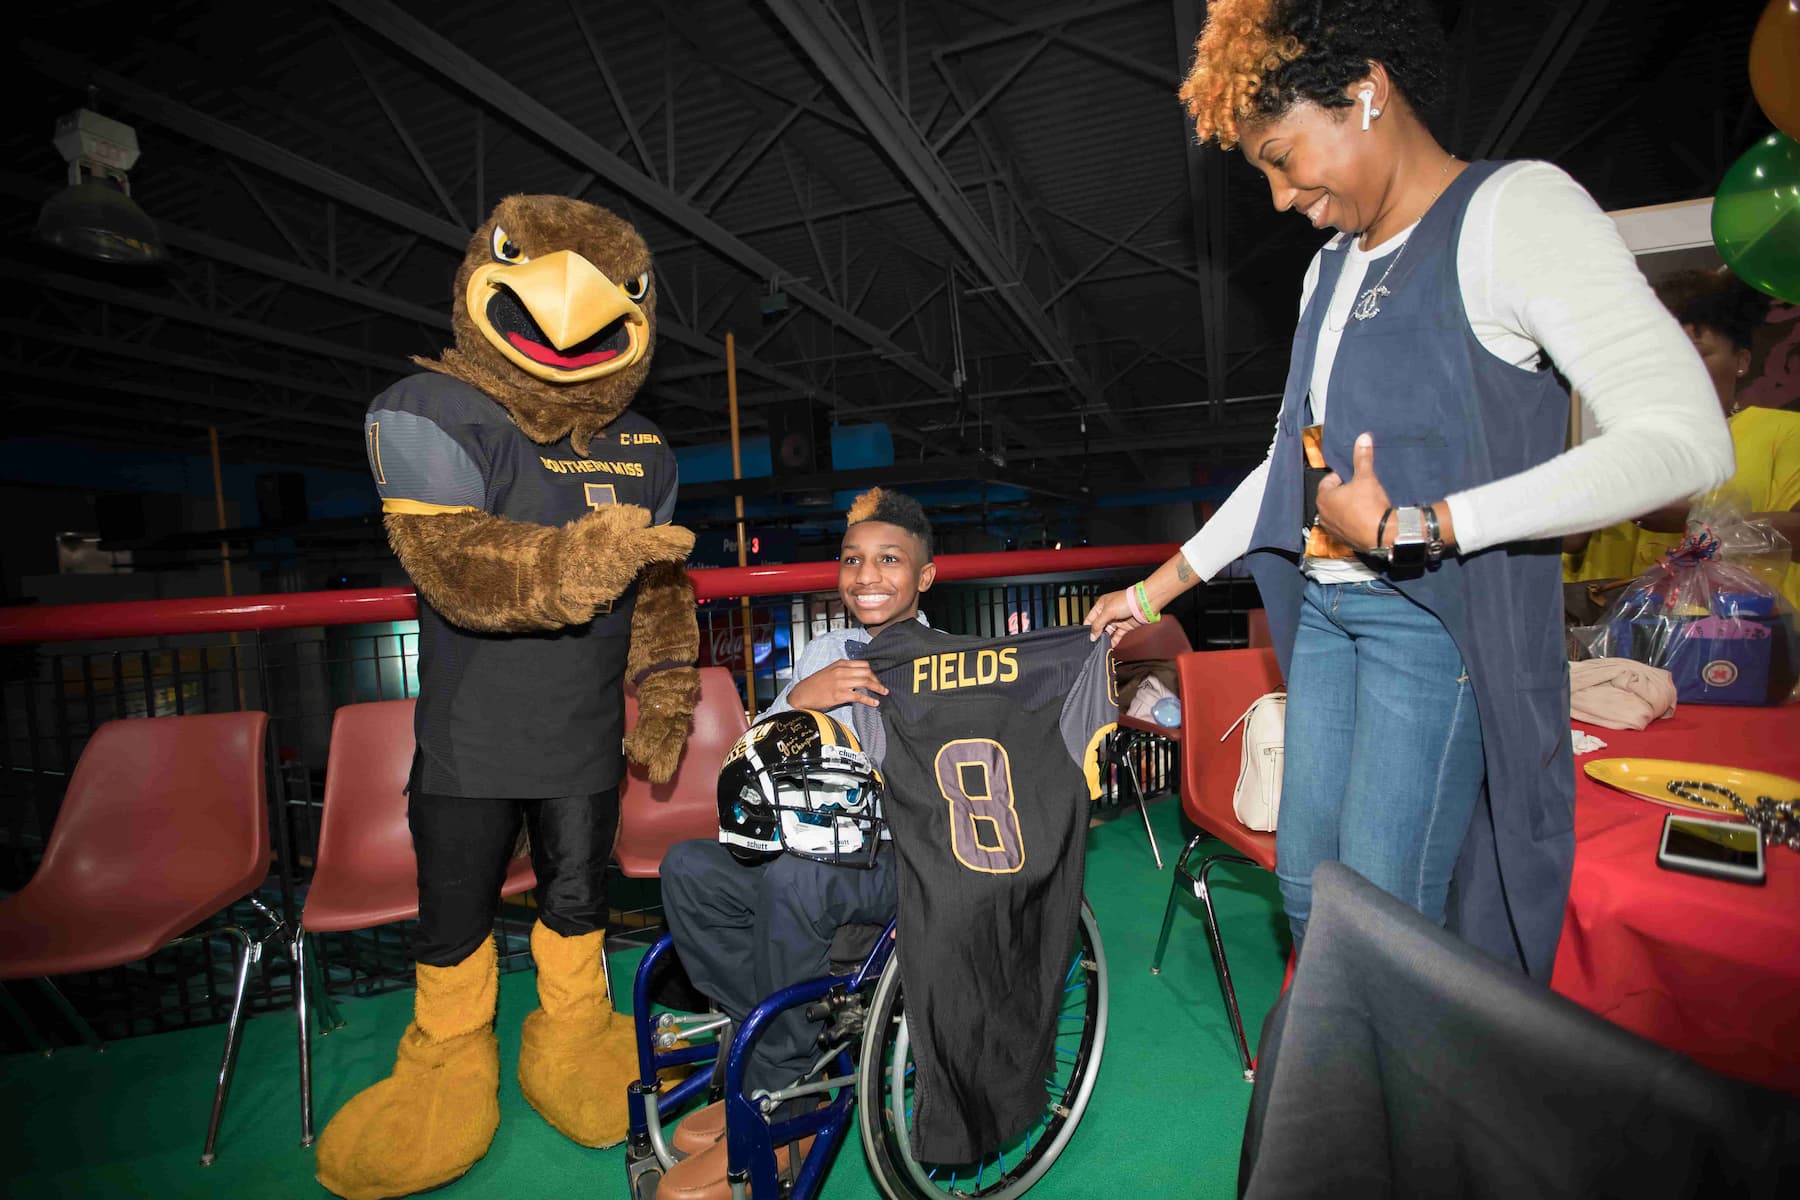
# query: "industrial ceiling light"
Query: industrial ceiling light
95,216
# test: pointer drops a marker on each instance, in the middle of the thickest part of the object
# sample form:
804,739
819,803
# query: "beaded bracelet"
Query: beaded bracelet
1779,820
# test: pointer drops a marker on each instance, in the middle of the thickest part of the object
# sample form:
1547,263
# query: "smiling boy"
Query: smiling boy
883,565
744,930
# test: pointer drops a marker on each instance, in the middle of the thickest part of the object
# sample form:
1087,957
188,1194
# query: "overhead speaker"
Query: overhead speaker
799,439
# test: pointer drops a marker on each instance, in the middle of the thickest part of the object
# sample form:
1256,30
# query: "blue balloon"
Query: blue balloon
1167,712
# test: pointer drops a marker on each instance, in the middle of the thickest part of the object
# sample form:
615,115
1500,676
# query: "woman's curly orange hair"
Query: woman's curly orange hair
1237,50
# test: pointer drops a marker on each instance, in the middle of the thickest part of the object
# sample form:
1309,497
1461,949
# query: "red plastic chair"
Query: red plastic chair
365,873
164,823
654,816
1157,640
1216,687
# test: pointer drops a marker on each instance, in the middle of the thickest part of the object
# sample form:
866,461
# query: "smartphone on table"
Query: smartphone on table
1703,846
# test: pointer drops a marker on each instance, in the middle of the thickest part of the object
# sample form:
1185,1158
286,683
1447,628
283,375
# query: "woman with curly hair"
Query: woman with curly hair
1720,314
1404,528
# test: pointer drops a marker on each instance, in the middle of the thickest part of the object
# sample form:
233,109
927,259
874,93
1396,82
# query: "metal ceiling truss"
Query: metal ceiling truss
1206,197
295,331
1563,32
465,71
816,27
319,264
386,208
820,164
1206,204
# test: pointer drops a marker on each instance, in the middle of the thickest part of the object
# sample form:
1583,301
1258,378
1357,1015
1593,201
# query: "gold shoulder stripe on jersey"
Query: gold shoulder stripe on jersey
1090,761
418,508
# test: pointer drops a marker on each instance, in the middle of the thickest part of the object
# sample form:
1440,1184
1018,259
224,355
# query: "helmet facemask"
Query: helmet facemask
823,805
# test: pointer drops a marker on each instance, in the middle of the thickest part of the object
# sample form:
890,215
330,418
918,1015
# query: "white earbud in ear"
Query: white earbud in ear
1367,96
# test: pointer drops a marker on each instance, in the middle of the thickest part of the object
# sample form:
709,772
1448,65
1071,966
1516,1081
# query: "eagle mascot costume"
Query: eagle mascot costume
531,510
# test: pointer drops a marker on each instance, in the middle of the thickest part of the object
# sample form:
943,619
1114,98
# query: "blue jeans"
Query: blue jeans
1383,750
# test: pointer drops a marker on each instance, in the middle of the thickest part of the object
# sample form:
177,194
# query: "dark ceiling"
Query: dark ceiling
316,168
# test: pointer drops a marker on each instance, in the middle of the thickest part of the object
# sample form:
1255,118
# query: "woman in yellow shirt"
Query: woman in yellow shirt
1721,315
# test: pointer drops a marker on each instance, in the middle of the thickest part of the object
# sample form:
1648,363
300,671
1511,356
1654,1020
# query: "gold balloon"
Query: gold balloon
1775,65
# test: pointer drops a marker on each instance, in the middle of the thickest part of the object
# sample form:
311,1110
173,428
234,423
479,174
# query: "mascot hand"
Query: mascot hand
604,551
665,711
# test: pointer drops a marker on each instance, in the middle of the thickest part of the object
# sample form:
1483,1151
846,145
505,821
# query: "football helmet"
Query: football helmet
799,781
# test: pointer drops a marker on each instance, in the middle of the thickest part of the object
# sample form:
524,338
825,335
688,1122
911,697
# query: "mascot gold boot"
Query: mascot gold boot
576,1050
426,1123
530,507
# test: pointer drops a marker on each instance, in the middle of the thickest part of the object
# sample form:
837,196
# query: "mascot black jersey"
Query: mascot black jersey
436,444
988,748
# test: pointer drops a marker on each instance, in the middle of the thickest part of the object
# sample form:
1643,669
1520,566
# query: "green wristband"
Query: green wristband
1149,614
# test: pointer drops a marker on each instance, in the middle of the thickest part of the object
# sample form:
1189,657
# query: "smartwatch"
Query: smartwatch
1410,547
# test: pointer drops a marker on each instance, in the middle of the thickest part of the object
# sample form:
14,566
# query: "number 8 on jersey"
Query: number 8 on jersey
975,776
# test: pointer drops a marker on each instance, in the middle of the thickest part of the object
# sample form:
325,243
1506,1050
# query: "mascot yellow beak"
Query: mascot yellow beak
558,318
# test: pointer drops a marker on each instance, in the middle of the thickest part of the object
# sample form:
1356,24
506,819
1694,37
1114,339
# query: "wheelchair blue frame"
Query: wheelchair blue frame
750,1139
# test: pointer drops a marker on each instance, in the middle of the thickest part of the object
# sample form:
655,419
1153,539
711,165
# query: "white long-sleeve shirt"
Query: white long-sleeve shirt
1542,268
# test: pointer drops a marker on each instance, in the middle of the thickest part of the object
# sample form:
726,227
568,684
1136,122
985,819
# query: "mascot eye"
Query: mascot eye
635,288
505,249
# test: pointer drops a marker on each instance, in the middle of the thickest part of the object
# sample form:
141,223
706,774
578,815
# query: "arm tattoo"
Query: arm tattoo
1183,572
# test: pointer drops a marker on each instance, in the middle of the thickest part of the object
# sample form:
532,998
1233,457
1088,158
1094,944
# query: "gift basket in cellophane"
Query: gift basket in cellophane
1710,613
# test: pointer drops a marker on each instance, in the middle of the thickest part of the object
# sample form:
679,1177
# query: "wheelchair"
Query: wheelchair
864,1067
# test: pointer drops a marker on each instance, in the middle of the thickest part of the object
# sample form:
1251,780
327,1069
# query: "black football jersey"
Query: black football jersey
989,750
514,715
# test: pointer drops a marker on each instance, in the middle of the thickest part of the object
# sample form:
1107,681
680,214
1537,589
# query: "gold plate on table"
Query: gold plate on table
1648,779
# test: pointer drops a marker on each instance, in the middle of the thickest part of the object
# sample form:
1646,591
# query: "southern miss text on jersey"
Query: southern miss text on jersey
988,750
437,445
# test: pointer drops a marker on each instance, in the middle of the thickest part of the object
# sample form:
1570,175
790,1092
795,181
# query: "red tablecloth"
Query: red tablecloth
1703,966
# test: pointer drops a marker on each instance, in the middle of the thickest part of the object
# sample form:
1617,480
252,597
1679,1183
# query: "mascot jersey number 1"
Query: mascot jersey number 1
531,510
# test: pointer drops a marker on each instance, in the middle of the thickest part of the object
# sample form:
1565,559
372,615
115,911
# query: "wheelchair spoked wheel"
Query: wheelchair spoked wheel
885,1092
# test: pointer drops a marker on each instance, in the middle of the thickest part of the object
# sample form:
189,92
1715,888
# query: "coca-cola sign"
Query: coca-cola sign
722,641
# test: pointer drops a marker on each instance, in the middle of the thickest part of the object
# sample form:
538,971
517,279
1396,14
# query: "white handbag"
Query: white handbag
1257,797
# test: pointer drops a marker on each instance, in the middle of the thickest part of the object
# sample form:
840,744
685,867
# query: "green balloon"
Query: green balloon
1756,217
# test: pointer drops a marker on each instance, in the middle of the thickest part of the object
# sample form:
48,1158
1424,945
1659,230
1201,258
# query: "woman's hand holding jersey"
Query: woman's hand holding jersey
1114,614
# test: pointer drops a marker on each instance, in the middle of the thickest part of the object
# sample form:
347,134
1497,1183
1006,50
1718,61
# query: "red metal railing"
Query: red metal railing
229,614
300,656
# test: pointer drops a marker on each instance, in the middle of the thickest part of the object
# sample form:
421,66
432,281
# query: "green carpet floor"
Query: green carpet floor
1165,1121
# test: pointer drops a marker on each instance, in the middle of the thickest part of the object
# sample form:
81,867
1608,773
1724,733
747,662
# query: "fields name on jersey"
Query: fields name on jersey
591,466
969,668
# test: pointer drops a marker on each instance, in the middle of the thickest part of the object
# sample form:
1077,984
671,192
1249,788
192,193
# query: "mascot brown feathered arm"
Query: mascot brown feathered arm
493,575
665,642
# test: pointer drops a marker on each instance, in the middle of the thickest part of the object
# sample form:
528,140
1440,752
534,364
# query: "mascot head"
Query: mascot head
555,316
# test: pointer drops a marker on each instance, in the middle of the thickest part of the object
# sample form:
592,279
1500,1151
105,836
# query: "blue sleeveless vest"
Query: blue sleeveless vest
1447,415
